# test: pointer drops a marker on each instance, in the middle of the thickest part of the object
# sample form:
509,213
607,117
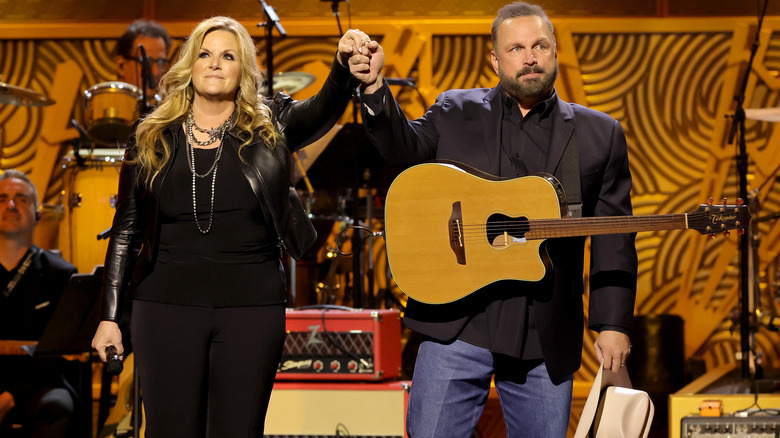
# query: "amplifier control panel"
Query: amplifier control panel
756,426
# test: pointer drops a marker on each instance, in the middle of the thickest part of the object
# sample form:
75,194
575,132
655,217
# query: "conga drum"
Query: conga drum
90,202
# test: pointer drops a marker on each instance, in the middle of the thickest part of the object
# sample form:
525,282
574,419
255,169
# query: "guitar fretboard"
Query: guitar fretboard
589,226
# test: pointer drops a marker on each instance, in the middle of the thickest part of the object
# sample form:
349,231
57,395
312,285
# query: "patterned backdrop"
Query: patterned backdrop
670,81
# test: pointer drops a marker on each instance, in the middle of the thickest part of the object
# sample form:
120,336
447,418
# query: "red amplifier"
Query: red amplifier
336,344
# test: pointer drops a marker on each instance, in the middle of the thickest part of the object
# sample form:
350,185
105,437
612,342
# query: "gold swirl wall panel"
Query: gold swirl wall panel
671,83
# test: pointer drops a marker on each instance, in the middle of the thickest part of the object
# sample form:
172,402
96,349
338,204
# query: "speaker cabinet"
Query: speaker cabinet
324,409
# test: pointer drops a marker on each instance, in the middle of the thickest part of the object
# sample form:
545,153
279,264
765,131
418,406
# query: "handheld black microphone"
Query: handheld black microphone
114,366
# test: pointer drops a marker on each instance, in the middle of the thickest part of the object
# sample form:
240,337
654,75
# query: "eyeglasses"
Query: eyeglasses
162,63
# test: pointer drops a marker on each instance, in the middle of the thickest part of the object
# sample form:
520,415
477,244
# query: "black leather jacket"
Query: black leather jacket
132,248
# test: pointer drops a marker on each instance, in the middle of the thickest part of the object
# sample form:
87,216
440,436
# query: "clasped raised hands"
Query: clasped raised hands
364,57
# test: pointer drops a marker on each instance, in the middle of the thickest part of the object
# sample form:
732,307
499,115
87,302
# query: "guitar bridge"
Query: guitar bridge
456,233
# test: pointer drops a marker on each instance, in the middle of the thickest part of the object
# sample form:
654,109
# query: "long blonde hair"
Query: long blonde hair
177,93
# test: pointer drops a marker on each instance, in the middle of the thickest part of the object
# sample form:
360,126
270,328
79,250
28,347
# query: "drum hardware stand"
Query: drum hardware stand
369,224
738,127
105,234
270,23
74,199
357,244
79,143
759,317
326,288
335,8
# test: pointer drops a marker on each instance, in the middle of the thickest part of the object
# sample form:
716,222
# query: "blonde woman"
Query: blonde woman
203,211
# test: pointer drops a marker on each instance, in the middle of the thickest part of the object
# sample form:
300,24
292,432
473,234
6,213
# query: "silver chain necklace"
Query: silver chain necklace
213,172
214,135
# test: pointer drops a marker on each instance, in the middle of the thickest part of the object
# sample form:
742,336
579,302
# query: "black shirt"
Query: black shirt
27,307
236,263
24,313
524,144
525,140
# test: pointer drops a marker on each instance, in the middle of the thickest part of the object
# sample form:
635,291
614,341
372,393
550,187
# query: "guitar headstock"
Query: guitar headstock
713,219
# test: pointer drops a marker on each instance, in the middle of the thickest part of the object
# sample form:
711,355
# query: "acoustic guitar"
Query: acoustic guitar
451,229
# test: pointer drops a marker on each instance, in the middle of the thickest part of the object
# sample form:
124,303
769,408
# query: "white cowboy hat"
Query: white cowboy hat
613,409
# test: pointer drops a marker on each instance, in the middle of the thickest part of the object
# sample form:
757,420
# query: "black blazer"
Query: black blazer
465,126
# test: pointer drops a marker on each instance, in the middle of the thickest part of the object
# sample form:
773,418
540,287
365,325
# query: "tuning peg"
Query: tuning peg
740,231
726,234
709,200
713,236
725,201
740,201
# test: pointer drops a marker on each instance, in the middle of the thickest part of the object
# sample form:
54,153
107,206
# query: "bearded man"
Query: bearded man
525,334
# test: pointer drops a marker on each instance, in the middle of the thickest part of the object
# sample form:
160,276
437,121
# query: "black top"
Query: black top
236,263
135,232
28,306
524,144
24,314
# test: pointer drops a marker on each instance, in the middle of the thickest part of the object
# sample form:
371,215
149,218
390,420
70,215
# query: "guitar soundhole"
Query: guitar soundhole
503,230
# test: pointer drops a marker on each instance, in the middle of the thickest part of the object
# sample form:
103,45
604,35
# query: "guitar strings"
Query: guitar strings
562,227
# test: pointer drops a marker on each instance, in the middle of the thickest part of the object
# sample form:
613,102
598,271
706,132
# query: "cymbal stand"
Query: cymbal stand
271,22
761,317
369,224
738,127
335,8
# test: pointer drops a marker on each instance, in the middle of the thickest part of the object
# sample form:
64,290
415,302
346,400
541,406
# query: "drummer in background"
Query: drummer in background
155,40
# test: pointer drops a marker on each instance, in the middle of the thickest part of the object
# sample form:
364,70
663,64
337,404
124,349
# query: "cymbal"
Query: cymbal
763,114
290,82
13,95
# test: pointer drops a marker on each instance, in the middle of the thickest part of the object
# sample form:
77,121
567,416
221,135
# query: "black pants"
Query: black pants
206,372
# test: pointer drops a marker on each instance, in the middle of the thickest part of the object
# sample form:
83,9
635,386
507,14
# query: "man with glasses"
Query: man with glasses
155,42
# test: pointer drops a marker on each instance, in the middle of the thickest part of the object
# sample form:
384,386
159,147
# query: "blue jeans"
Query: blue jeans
451,383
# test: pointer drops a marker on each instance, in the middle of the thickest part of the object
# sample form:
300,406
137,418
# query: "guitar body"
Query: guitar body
434,264
451,231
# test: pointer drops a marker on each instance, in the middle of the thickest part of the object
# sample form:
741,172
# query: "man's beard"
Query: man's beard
513,86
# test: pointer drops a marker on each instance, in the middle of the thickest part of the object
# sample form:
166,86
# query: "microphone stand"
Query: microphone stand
271,22
738,127
335,8
146,78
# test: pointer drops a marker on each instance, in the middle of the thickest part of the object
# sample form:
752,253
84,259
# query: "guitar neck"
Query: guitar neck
589,226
